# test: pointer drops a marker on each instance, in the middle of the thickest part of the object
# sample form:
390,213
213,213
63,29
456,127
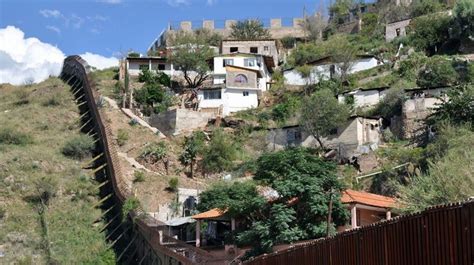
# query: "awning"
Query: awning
180,221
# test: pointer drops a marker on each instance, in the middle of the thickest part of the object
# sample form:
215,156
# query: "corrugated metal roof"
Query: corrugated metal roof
352,196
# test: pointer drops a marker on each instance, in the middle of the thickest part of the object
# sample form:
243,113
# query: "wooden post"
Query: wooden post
198,233
353,216
388,215
329,213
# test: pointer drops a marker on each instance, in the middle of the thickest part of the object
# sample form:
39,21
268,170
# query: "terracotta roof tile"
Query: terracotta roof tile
352,196
213,213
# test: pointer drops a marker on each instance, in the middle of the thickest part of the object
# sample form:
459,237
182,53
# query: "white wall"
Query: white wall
219,69
134,68
232,100
292,77
363,98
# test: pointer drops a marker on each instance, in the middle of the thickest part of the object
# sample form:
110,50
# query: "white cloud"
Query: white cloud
211,2
27,59
50,13
53,28
98,61
178,2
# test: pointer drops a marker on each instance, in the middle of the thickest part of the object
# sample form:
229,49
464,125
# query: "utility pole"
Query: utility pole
329,212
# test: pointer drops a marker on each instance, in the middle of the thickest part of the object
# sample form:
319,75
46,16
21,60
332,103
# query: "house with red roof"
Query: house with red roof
366,208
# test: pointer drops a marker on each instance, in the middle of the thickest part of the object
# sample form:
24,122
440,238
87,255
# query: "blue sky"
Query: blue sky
108,27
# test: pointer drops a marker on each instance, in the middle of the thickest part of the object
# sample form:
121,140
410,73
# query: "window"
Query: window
234,49
249,62
245,93
265,48
293,137
240,78
143,67
161,67
227,62
212,94
253,49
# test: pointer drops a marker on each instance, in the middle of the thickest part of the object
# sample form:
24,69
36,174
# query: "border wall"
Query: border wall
441,235
138,239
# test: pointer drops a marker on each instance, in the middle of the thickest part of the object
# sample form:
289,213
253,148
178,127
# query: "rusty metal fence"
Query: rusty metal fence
440,235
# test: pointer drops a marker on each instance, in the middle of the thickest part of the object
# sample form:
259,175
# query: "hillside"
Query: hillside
46,198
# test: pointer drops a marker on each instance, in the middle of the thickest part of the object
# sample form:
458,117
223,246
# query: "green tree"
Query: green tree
340,10
463,17
457,108
193,147
299,173
153,96
240,199
305,53
250,29
305,185
438,71
155,152
190,55
322,113
428,33
426,7
220,153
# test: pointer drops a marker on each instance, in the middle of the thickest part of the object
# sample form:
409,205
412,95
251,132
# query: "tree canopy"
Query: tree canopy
190,54
305,185
322,113
250,29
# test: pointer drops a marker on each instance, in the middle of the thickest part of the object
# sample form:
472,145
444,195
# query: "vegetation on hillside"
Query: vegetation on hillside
46,199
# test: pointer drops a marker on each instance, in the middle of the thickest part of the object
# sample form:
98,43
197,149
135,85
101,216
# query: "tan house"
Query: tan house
360,135
366,208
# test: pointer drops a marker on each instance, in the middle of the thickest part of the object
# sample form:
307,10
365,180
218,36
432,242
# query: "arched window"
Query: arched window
241,79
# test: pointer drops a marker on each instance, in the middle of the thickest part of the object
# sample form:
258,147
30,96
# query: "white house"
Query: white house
238,82
326,68
363,97
136,64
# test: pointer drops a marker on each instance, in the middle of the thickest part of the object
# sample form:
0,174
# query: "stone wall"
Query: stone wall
276,28
414,113
391,29
178,121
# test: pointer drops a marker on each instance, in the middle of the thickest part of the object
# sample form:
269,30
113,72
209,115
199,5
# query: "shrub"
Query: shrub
10,136
52,101
122,137
288,42
173,184
78,147
3,213
438,71
129,205
133,122
220,153
155,152
139,176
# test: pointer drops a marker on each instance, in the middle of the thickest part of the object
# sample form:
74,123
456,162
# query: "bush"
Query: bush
139,176
122,137
288,42
173,184
220,153
129,205
438,71
154,152
10,136
133,122
426,7
78,147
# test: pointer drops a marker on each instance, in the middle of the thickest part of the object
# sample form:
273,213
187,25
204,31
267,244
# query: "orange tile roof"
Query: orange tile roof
352,196
213,213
